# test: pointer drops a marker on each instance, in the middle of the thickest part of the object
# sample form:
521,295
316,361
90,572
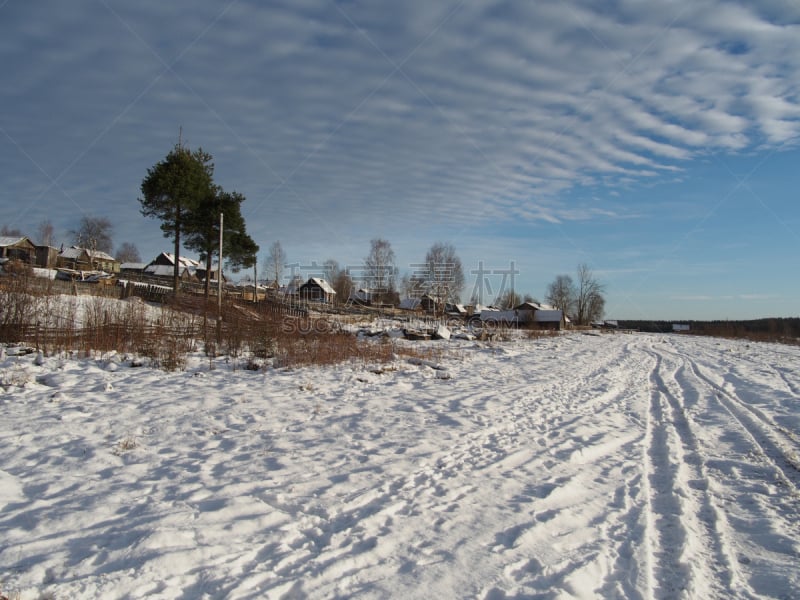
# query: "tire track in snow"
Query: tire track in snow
714,567
758,508
689,554
791,389
664,533
779,446
782,373
776,443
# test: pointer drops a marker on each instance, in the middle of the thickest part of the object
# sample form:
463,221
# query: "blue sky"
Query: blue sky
655,142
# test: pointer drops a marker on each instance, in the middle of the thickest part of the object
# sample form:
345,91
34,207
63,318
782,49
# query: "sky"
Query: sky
655,142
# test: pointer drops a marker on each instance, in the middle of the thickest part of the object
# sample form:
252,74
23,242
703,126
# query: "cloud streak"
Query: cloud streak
528,98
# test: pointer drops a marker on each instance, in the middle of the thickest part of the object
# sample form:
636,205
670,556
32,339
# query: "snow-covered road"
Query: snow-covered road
613,466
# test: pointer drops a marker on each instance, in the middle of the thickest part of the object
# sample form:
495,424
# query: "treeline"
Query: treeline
786,330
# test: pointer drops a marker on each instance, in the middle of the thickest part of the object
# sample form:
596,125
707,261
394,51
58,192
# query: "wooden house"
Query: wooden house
429,303
83,259
132,268
163,266
17,248
46,257
318,290
361,296
540,316
410,304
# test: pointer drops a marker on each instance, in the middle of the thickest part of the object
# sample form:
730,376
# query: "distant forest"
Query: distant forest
786,330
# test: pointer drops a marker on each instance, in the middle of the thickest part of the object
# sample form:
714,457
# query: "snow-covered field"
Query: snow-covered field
614,466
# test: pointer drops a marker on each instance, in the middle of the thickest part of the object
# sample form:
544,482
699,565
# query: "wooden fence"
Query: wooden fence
134,338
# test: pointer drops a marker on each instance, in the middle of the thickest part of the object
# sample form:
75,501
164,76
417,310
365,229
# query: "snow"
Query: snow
575,466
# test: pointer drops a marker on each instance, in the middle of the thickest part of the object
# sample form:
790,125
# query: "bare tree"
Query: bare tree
128,253
589,301
509,300
276,259
7,231
442,273
46,233
94,233
380,269
330,269
597,307
412,285
339,279
561,294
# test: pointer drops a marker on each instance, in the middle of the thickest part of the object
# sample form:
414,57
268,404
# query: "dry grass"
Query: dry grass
535,334
124,445
257,335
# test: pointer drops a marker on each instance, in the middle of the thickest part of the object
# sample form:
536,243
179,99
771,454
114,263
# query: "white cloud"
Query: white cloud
339,115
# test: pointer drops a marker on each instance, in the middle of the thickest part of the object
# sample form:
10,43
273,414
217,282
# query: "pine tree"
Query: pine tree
202,232
172,189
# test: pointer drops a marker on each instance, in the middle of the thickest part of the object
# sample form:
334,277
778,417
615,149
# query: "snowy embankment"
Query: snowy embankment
615,466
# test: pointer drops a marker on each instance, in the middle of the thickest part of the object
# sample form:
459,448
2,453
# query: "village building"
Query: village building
46,257
527,314
291,291
361,296
132,268
541,316
413,304
189,269
499,318
76,258
428,303
318,290
455,310
17,248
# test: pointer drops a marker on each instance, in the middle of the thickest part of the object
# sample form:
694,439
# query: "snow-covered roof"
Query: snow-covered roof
322,284
457,308
10,240
244,284
132,266
162,270
97,254
535,306
479,308
529,306
74,252
183,260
